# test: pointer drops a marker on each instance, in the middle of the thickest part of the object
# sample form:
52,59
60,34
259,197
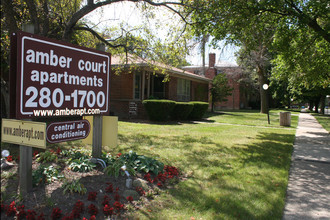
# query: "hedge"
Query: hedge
182,110
158,110
199,110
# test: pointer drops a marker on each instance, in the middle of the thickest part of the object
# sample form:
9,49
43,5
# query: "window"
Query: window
183,90
137,86
158,87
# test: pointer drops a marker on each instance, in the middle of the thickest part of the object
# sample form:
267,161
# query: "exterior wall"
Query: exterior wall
121,93
121,86
123,105
199,91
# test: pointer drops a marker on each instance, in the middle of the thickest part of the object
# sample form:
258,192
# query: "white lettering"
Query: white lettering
43,77
47,58
80,62
30,56
35,76
53,58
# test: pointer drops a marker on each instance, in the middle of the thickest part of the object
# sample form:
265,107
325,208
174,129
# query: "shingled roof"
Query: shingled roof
130,60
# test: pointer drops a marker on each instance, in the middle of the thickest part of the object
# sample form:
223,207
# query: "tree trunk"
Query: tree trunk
317,102
322,104
263,93
311,105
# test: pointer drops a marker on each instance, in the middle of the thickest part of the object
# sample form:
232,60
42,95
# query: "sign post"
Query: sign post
97,126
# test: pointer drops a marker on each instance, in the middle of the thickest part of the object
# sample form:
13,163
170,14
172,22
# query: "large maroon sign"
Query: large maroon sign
58,79
67,131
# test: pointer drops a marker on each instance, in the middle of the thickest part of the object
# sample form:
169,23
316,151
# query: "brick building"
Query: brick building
240,95
138,79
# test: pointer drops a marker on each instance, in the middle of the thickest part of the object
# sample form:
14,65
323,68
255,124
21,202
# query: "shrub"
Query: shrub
134,163
199,110
182,110
158,110
81,165
74,187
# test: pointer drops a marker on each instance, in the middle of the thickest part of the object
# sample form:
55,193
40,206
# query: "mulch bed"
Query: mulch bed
45,198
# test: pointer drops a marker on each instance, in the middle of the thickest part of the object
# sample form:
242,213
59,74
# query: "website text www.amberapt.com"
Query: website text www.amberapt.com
66,112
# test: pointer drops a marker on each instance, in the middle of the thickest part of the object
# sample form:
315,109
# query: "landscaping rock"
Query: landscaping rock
132,193
140,183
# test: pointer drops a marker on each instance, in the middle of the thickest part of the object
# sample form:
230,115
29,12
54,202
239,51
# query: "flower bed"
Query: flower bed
103,194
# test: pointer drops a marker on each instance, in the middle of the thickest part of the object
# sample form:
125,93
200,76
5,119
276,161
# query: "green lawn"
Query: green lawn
324,120
235,171
254,118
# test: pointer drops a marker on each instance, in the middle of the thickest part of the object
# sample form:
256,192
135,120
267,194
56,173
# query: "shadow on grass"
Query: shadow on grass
271,152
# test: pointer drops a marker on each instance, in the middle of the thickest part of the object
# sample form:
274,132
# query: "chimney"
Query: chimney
211,71
211,60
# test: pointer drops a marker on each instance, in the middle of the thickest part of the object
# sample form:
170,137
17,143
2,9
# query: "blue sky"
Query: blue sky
127,12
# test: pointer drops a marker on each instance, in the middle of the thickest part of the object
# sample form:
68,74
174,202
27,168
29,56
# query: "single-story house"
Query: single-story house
134,79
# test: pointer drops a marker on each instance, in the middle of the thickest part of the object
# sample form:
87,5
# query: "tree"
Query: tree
259,25
64,20
238,23
220,89
303,61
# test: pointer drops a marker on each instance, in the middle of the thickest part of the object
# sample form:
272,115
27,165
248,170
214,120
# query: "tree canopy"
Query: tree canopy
292,36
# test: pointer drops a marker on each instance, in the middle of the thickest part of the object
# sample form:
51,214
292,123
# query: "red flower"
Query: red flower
109,189
140,191
70,217
35,153
159,184
41,216
107,210
31,215
56,213
92,196
129,198
20,212
117,197
119,154
92,217
77,209
106,200
118,205
92,209
9,158
11,211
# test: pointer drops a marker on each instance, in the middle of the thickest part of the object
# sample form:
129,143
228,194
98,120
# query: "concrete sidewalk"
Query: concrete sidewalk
308,192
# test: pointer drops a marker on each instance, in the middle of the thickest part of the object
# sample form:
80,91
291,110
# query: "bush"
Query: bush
199,110
182,110
158,110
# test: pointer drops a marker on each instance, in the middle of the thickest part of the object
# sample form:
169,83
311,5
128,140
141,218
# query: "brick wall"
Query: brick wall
199,91
121,86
